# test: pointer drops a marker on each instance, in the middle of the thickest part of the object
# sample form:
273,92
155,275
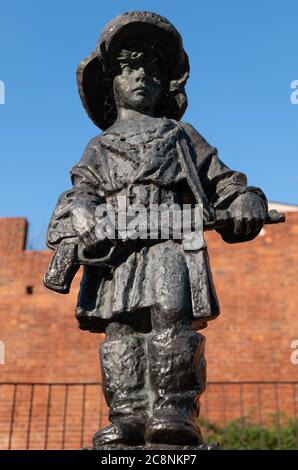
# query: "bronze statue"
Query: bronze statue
148,295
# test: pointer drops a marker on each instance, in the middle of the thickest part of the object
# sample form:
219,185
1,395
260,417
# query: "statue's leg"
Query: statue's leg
123,364
178,377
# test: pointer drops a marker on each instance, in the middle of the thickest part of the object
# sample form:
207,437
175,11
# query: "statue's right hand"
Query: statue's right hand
84,225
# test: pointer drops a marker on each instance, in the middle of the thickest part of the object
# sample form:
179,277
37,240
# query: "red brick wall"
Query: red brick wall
42,341
258,291
250,341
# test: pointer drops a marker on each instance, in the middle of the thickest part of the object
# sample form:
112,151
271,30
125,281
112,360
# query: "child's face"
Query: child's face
138,85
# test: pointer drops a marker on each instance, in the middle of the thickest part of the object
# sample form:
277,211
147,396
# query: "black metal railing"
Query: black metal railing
65,415
258,411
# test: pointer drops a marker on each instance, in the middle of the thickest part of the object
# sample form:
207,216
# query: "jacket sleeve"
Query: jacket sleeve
84,194
221,184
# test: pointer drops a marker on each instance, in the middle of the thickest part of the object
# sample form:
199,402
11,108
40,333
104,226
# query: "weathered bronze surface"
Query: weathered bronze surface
149,295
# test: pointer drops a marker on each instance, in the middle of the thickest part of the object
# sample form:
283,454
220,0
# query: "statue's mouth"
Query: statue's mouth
141,89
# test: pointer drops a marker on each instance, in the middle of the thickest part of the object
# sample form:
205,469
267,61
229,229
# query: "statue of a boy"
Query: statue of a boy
148,296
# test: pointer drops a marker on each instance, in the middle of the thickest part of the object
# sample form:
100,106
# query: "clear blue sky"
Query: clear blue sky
243,57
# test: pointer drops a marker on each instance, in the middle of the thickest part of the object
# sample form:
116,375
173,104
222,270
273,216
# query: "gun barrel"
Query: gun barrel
223,219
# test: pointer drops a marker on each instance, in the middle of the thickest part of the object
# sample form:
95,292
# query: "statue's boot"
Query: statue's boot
178,377
123,374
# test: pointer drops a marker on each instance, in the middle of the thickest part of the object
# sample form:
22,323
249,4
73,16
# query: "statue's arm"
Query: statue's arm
73,217
72,222
227,189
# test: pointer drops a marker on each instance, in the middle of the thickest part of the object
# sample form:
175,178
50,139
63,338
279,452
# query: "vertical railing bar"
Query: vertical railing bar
49,400
207,406
295,412
83,415
100,409
224,412
277,416
64,416
206,421
12,416
242,414
260,416
30,417
224,404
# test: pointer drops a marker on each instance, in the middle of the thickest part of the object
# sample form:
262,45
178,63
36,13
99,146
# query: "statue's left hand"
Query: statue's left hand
248,213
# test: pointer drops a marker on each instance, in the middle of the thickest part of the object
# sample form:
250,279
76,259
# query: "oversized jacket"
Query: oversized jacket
175,159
